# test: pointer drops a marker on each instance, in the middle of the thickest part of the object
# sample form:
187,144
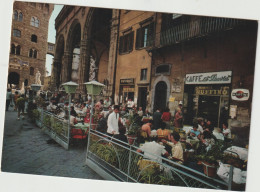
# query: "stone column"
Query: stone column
66,76
112,51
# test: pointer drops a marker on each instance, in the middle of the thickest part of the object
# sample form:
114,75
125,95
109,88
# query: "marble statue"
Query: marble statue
38,78
92,69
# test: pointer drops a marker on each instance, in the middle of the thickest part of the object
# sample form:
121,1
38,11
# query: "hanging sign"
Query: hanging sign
223,77
240,94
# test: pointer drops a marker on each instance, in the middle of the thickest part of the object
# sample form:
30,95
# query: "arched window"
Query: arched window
31,71
35,54
35,22
12,49
34,38
16,33
18,48
15,15
20,16
32,21
31,53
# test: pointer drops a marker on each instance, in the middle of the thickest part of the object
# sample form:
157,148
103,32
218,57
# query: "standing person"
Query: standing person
16,96
157,119
8,98
112,122
21,105
178,118
166,117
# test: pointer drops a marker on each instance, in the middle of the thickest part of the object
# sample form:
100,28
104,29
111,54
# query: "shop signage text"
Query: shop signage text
223,77
240,94
126,81
210,91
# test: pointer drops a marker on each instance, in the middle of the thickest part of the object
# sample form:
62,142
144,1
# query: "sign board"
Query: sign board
233,111
223,77
240,94
126,81
171,99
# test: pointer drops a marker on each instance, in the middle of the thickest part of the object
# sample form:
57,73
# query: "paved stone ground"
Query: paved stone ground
26,150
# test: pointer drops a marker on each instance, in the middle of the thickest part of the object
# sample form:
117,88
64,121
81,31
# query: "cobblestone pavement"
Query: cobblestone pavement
26,150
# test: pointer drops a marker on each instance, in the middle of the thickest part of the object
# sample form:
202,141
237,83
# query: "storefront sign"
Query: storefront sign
240,94
223,77
210,91
126,81
128,89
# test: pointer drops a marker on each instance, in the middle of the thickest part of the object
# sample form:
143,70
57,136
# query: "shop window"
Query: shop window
16,33
126,43
31,71
145,36
34,38
16,15
143,74
163,69
35,22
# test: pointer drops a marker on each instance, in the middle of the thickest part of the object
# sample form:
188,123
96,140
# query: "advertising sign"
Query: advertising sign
240,94
223,77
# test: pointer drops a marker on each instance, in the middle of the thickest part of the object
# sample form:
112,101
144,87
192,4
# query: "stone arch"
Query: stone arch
73,41
160,78
58,63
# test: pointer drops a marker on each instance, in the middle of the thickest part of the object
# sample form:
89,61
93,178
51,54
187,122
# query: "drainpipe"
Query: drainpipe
114,79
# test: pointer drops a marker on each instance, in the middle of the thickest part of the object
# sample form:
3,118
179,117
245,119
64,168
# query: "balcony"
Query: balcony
196,28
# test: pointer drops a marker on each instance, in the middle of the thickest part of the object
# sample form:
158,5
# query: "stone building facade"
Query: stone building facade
160,60
28,42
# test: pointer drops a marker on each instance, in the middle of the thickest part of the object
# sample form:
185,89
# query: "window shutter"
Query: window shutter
18,48
150,35
138,38
131,41
13,49
121,44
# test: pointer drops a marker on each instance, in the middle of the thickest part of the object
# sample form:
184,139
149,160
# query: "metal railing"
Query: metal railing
57,128
123,162
196,28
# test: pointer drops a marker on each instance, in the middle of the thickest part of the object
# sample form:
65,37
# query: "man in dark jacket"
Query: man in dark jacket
157,119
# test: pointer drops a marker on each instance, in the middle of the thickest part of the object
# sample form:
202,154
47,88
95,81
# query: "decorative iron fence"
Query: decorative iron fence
196,28
57,128
123,162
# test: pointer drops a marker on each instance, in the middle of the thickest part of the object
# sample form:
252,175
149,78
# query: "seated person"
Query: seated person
194,133
162,132
177,151
218,134
209,126
73,112
140,112
147,128
87,118
226,131
102,123
207,139
153,150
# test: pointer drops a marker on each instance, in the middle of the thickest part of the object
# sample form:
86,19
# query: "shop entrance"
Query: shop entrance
209,108
160,95
142,95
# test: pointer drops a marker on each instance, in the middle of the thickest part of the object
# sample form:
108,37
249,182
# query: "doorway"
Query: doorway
13,79
209,108
142,96
160,96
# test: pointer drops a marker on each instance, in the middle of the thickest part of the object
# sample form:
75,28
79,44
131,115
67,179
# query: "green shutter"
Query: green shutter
138,38
131,41
121,44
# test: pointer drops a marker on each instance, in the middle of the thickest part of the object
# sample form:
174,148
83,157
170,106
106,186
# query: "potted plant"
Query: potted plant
132,126
209,158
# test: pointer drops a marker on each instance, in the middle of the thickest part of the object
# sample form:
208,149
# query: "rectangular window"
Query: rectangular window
126,43
145,36
143,74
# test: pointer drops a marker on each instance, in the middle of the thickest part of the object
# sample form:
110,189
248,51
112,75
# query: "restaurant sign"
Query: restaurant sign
223,77
240,94
210,91
126,81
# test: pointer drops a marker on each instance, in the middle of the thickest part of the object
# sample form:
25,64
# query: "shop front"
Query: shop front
207,95
126,91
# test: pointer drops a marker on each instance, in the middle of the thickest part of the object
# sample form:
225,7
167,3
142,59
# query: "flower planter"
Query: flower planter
131,139
209,169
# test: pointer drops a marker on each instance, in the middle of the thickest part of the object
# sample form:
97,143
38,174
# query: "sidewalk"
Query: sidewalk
26,150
